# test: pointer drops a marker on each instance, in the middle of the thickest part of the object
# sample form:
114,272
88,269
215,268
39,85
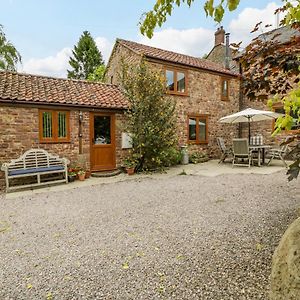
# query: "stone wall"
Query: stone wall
262,127
217,55
120,153
204,97
114,66
19,132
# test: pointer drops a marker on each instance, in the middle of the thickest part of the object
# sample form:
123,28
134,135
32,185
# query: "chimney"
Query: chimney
227,66
219,36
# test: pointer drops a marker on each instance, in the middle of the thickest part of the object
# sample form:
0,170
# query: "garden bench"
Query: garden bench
35,163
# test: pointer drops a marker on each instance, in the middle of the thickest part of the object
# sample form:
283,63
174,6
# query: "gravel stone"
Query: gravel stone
180,237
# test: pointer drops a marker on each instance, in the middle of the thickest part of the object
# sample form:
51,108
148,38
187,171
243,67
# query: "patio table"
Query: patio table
261,150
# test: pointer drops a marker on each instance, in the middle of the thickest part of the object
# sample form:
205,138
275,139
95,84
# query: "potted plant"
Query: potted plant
81,175
71,175
129,164
87,174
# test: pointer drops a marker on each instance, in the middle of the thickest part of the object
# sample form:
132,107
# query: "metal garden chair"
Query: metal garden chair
278,153
242,155
225,152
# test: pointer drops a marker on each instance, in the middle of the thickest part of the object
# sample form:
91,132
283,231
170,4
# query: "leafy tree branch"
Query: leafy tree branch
163,8
9,56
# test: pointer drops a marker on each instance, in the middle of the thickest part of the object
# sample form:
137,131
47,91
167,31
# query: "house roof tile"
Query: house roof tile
27,88
173,57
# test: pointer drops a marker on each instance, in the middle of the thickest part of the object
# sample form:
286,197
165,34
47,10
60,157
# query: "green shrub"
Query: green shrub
151,118
196,157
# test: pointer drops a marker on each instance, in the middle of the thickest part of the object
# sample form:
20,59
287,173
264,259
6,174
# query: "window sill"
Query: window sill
225,99
54,142
177,94
295,131
197,143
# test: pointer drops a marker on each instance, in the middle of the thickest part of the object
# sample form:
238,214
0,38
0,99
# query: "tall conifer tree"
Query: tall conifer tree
86,57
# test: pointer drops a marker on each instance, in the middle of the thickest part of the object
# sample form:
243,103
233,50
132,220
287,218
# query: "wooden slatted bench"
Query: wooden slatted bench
35,163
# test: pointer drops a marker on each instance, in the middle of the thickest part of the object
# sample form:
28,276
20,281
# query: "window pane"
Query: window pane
202,129
62,124
180,82
170,80
192,129
102,130
224,88
47,124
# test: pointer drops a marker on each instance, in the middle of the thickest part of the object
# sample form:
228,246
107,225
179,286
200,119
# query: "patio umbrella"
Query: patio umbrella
250,115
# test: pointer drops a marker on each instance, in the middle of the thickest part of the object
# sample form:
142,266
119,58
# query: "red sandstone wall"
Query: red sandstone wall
204,97
19,131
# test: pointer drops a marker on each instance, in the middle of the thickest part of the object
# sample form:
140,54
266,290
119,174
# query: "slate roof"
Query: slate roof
281,35
173,57
278,36
35,89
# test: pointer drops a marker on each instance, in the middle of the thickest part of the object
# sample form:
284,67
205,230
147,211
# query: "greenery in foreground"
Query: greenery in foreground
263,68
151,119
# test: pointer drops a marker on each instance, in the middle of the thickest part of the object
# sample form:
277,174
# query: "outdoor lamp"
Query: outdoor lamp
80,116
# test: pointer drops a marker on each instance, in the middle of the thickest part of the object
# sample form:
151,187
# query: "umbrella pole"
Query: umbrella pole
249,130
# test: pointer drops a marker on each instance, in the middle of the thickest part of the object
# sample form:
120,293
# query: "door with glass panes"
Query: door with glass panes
102,135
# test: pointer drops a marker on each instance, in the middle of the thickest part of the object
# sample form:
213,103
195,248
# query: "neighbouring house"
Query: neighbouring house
204,91
222,52
76,119
277,39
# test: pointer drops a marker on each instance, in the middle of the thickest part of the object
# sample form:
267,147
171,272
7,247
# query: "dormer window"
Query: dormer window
176,81
224,89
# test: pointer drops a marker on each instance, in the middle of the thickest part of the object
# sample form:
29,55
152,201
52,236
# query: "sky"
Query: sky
45,31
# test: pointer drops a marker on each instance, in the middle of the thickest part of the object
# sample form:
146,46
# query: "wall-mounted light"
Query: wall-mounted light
80,116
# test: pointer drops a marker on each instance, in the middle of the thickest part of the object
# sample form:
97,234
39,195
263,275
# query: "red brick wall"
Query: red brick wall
19,132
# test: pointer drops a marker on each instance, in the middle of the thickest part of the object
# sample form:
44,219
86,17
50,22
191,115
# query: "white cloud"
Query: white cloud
199,41
241,27
57,65
105,46
52,65
195,42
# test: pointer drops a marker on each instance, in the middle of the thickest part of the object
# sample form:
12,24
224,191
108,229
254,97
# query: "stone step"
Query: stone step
107,173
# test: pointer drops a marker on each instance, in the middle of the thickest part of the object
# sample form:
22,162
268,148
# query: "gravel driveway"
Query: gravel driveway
180,237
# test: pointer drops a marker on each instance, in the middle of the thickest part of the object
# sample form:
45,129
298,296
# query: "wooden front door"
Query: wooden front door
102,135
